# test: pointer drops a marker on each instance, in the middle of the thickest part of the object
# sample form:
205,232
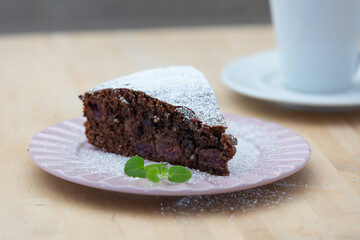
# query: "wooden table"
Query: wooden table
40,78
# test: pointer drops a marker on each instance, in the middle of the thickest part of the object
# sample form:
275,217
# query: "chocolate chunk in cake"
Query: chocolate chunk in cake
164,115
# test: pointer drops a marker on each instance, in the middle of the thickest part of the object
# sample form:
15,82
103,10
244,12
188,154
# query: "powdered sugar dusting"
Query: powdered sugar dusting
252,141
266,152
230,204
182,86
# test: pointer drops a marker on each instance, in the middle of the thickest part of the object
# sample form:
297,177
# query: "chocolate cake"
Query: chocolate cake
164,115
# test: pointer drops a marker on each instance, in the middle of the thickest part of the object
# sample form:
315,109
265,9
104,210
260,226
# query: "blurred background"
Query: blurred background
18,16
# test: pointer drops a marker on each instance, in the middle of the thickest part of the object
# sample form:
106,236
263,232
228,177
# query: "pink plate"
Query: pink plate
266,152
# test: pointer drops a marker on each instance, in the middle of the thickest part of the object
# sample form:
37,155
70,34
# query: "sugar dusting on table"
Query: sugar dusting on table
228,204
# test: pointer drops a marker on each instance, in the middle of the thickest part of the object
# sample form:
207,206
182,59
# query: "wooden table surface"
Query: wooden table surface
40,78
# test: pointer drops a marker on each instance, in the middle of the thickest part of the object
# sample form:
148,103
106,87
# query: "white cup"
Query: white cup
318,43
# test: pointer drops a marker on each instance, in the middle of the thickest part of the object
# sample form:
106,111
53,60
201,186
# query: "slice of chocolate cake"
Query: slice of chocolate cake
164,115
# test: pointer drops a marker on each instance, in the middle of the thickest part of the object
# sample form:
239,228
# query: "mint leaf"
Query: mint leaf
178,174
152,174
163,171
158,166
134,167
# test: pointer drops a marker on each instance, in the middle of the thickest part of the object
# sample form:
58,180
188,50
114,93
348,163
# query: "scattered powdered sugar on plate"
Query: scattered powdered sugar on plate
94,161
266,152
182,86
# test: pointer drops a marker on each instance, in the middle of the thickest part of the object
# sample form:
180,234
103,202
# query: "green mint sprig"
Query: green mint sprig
134,167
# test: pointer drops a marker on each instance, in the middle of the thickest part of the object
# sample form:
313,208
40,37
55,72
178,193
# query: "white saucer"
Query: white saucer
259,76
